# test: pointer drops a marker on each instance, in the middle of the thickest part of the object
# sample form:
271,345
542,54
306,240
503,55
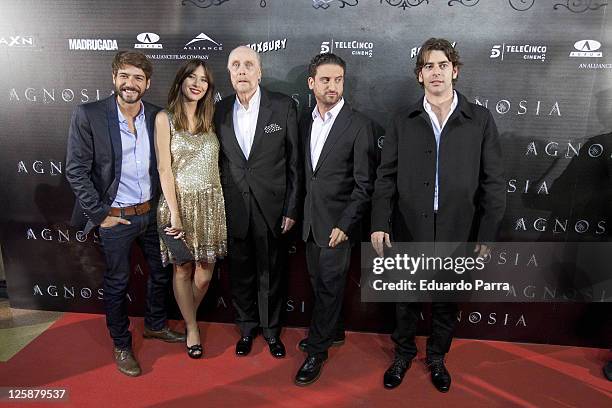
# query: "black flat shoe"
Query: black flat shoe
195,351
277,348
395,373
244,345
440,377
310,371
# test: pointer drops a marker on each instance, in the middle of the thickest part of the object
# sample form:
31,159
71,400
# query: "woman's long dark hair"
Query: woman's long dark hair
206,106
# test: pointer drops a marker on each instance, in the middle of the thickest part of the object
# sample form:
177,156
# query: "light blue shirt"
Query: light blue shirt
437,129
135,182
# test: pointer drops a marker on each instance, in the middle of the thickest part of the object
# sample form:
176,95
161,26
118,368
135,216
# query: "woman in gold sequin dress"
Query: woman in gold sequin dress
192,208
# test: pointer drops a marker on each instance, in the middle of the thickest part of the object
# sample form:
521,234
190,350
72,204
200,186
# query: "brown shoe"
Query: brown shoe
165,334
126,362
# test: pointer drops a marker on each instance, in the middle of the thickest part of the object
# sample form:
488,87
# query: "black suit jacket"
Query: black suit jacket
338,191
271,171
471,199
93,159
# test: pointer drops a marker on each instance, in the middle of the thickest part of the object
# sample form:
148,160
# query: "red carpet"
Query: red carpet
75,353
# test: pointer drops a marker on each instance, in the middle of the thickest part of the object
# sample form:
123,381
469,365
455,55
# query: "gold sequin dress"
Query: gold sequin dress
199,195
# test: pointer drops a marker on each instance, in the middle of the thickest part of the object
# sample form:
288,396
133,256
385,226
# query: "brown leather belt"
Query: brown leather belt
137,209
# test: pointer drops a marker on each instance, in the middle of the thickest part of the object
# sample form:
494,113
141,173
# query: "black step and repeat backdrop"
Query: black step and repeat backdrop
543,68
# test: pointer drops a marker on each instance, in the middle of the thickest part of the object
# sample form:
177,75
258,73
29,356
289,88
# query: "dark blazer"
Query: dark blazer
472,196
338,191
270,173
93,159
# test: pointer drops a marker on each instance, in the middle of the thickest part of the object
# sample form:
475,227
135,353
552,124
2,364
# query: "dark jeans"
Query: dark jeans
117,243
328,268
443,323
256,265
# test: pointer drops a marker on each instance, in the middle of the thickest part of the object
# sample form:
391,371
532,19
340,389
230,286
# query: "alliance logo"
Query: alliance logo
362,48
266,46
528,51
587,48
18,41
82,44
148,41
203,38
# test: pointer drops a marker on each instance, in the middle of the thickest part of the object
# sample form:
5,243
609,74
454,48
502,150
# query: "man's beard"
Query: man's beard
130,99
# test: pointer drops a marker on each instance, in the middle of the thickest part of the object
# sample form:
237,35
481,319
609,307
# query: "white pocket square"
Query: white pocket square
273,127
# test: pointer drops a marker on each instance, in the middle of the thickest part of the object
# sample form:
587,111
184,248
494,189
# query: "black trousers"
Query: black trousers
117,243
328,268
256,265
443,323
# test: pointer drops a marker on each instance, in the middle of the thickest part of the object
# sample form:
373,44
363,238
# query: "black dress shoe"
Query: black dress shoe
440,376
310,370
277,348
338,341
244,345
395,373
607,370
165,334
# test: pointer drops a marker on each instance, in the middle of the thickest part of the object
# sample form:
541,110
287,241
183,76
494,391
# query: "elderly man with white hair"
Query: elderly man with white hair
257,130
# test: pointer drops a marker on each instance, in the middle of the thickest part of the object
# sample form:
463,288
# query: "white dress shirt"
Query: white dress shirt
437,133
320,130
245,122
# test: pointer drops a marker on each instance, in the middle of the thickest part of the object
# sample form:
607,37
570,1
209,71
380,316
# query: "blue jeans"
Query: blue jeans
116,244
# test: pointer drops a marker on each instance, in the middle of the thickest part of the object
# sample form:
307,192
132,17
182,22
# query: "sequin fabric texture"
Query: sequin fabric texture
198,193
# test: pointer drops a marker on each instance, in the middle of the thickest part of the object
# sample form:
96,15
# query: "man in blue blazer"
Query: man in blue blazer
111,167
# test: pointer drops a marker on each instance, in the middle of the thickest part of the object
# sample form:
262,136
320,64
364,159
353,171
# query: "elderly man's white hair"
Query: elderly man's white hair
244,47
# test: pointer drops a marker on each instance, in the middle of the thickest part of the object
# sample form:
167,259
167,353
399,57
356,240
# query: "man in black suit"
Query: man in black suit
440,179
339,165
111,167
257,130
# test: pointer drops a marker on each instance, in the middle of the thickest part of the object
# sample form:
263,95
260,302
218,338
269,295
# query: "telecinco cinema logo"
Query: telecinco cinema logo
587,48
361,48
148,41
528,52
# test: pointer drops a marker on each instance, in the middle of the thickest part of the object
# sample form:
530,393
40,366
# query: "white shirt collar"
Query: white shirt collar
255,99
427,106
332,113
